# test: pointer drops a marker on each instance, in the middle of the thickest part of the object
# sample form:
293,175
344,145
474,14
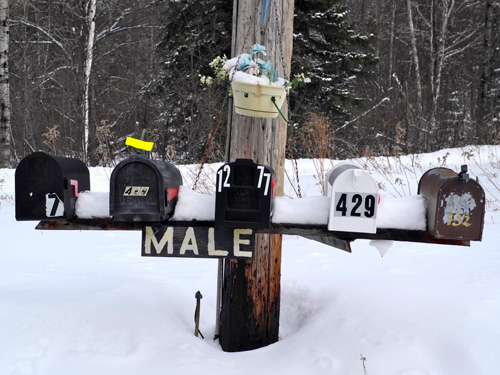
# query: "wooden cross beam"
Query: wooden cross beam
314,232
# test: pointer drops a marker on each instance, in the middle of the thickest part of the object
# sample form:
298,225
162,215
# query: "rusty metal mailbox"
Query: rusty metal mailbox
455,204
46,186
143,190
244,193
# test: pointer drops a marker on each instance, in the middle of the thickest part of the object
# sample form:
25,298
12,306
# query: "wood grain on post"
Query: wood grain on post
250,303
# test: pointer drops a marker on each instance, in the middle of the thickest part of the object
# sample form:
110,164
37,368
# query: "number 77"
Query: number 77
263,174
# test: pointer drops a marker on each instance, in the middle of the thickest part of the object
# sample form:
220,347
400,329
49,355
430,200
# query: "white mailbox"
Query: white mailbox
354,199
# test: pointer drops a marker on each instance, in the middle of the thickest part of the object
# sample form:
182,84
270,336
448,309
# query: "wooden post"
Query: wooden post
250,303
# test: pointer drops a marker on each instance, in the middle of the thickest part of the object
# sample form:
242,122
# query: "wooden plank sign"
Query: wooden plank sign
197,242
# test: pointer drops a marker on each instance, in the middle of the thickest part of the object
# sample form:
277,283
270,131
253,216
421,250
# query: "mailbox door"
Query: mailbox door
36,176
244,194
455,205
136,193
354,201
143,190
46,186
459,211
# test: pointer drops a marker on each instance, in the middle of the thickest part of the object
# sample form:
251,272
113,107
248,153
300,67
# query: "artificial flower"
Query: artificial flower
257,48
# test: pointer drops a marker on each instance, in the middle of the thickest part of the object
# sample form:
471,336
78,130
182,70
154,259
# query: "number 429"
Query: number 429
355,205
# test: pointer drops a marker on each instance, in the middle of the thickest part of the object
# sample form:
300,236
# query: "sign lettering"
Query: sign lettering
197,242
212,252
189,243
238,241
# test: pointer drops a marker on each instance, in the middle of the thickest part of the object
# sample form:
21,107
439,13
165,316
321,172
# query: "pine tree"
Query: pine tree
195,33
326,49
335,58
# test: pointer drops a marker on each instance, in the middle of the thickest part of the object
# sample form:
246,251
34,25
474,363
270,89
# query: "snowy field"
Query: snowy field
86,302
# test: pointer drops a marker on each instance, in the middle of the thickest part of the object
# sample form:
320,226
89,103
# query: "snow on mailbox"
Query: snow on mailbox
46,187
354,199
455,204
143,190
244,194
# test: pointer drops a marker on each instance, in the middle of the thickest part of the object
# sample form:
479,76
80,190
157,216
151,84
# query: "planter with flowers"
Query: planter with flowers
257,91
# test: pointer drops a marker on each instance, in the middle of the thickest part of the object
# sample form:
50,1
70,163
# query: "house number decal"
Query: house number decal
457,209
263,175
136,191
224,180
455,220
54,206
360,205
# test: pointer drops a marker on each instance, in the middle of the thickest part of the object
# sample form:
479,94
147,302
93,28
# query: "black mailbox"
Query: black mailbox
47,186
243,195
455,204
143,190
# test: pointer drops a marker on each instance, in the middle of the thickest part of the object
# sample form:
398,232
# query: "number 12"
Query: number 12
223,182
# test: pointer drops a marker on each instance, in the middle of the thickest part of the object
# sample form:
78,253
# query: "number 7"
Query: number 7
261,176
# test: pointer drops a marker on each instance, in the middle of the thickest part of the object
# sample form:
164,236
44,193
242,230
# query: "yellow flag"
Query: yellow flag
137,143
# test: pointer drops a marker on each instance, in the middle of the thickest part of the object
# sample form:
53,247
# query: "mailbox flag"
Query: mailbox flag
137,143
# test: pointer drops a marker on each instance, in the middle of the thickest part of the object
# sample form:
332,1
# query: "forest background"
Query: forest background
387,77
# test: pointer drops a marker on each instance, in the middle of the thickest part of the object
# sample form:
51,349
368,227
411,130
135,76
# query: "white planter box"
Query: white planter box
254,99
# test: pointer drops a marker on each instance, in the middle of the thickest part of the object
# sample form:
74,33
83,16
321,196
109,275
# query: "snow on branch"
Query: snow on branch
363,114
42,30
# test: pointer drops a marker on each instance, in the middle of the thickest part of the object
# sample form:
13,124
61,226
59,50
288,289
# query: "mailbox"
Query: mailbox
455,204
143,190
244,195
46,187
353,199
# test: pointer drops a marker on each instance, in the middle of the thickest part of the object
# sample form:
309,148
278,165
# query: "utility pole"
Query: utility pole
250,305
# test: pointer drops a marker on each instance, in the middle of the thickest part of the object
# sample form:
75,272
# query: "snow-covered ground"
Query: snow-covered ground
86,302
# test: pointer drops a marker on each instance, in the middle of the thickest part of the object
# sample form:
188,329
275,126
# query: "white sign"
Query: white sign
197,242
